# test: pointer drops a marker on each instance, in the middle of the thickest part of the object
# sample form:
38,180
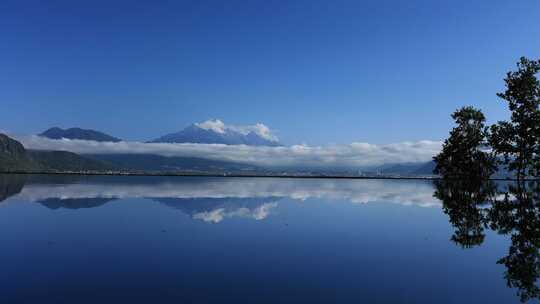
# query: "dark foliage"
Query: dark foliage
518,140
462,155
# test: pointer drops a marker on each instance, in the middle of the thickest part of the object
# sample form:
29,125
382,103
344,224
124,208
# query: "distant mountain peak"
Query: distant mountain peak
78,133
216,132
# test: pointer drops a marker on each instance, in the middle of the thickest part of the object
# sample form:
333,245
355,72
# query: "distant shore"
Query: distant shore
250,175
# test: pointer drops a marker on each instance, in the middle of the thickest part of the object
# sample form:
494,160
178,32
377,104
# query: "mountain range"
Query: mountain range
78,133
191,134
14,157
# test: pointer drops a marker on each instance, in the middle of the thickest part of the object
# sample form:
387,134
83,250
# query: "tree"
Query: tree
462,155
518,140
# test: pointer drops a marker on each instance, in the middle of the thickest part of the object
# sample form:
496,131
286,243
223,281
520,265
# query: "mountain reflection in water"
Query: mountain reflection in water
473,208
212,199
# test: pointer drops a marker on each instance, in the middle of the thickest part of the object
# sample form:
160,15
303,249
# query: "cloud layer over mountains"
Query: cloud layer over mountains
219,126
352,155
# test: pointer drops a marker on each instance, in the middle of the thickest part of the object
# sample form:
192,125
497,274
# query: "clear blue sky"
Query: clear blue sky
318,72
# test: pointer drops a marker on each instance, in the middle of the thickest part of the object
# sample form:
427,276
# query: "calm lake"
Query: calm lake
107,239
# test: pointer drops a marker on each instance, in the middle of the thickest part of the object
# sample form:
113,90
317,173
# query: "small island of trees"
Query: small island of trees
474,150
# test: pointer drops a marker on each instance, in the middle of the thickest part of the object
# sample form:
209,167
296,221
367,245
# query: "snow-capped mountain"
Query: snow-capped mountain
216,132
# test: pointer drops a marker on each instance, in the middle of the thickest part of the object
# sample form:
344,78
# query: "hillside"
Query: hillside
150,162
15,158
67,161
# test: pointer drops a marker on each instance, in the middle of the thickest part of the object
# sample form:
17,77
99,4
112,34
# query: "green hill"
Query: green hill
15,158
67,161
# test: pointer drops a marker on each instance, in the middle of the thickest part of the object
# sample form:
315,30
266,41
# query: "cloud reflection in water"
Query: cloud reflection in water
214,199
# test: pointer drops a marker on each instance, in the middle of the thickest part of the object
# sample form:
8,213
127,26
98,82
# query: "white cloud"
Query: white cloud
264,131
352,155
219,126
215,125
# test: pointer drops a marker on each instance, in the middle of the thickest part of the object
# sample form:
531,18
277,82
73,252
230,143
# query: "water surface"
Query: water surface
75,239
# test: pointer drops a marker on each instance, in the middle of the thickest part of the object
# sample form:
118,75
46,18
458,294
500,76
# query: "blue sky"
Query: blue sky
316,72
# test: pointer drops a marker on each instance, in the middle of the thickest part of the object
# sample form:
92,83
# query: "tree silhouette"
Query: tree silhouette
462,155
518,140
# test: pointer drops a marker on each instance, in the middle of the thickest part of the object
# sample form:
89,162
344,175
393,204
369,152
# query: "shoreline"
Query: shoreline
185,174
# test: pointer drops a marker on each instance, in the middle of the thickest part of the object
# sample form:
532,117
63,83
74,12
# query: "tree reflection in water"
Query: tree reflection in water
474,205
462,201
